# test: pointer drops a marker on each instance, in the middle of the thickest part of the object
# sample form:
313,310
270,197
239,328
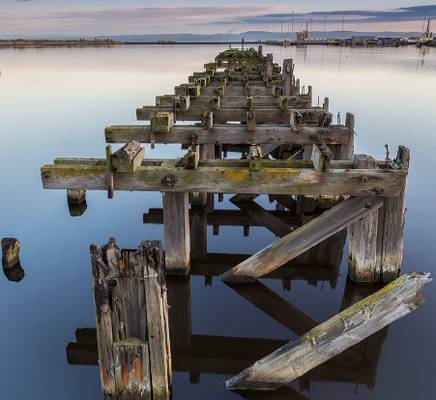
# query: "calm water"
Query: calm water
56,102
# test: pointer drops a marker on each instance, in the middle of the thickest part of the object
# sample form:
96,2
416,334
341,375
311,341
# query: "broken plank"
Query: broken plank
302,239
332,337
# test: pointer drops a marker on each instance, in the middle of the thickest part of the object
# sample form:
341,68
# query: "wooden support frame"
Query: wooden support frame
302,239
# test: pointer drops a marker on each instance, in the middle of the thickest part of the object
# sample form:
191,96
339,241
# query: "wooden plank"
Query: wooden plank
264,218
230,134
167,178
302,239
222,116
156,307
176,233
333,336
275,307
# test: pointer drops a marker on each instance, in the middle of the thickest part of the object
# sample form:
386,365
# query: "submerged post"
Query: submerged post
132,321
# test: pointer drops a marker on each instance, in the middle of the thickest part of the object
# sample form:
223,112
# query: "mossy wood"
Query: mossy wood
332,337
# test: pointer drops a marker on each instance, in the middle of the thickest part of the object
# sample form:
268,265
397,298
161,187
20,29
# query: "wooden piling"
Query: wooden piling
132,321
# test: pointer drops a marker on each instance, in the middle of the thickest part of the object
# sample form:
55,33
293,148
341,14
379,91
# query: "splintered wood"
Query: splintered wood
332,337
132,321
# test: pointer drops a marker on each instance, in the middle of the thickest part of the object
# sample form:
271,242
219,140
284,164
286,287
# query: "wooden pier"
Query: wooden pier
288,149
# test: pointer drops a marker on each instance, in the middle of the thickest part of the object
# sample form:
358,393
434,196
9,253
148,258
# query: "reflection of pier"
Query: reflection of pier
208,354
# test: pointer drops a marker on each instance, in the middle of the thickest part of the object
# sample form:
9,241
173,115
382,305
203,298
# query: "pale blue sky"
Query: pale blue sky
100,17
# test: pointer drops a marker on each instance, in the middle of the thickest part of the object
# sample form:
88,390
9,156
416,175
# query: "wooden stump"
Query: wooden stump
132,321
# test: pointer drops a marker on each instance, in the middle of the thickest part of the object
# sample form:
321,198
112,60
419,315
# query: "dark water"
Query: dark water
57,103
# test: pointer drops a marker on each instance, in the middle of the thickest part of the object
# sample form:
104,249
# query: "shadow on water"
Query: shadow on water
198,354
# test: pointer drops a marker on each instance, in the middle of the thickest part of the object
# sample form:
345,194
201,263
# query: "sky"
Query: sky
115,17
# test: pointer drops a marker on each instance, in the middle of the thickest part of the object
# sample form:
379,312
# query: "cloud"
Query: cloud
355,16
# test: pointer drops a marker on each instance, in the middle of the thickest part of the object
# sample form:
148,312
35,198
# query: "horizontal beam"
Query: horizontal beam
269,115
303,239
230,134
164,176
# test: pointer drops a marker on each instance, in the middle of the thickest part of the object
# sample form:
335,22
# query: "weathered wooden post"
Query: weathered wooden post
391,220
76,199
132,321
176,232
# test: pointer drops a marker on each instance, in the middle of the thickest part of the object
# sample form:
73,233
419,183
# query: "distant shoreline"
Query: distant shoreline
82,43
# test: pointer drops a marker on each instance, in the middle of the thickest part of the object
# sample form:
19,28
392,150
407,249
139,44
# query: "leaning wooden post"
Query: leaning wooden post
332,337
391,225
132,321
362,264
176,232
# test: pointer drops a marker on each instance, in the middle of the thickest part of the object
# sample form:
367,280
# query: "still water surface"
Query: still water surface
56,102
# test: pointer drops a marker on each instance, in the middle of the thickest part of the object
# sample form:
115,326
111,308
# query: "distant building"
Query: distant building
363,41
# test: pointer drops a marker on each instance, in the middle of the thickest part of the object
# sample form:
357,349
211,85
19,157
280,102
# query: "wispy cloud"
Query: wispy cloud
78,20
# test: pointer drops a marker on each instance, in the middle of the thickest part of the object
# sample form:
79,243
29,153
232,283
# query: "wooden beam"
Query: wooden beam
230,134
333,336
222,116
90,174
302,239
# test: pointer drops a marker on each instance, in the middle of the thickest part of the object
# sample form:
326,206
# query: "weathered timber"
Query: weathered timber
231,134
391,226
133,345
76,200
128,158
266,219
302,239
288,71
176,233
164,176
362,238
321,157
224,115
10,251
347,328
